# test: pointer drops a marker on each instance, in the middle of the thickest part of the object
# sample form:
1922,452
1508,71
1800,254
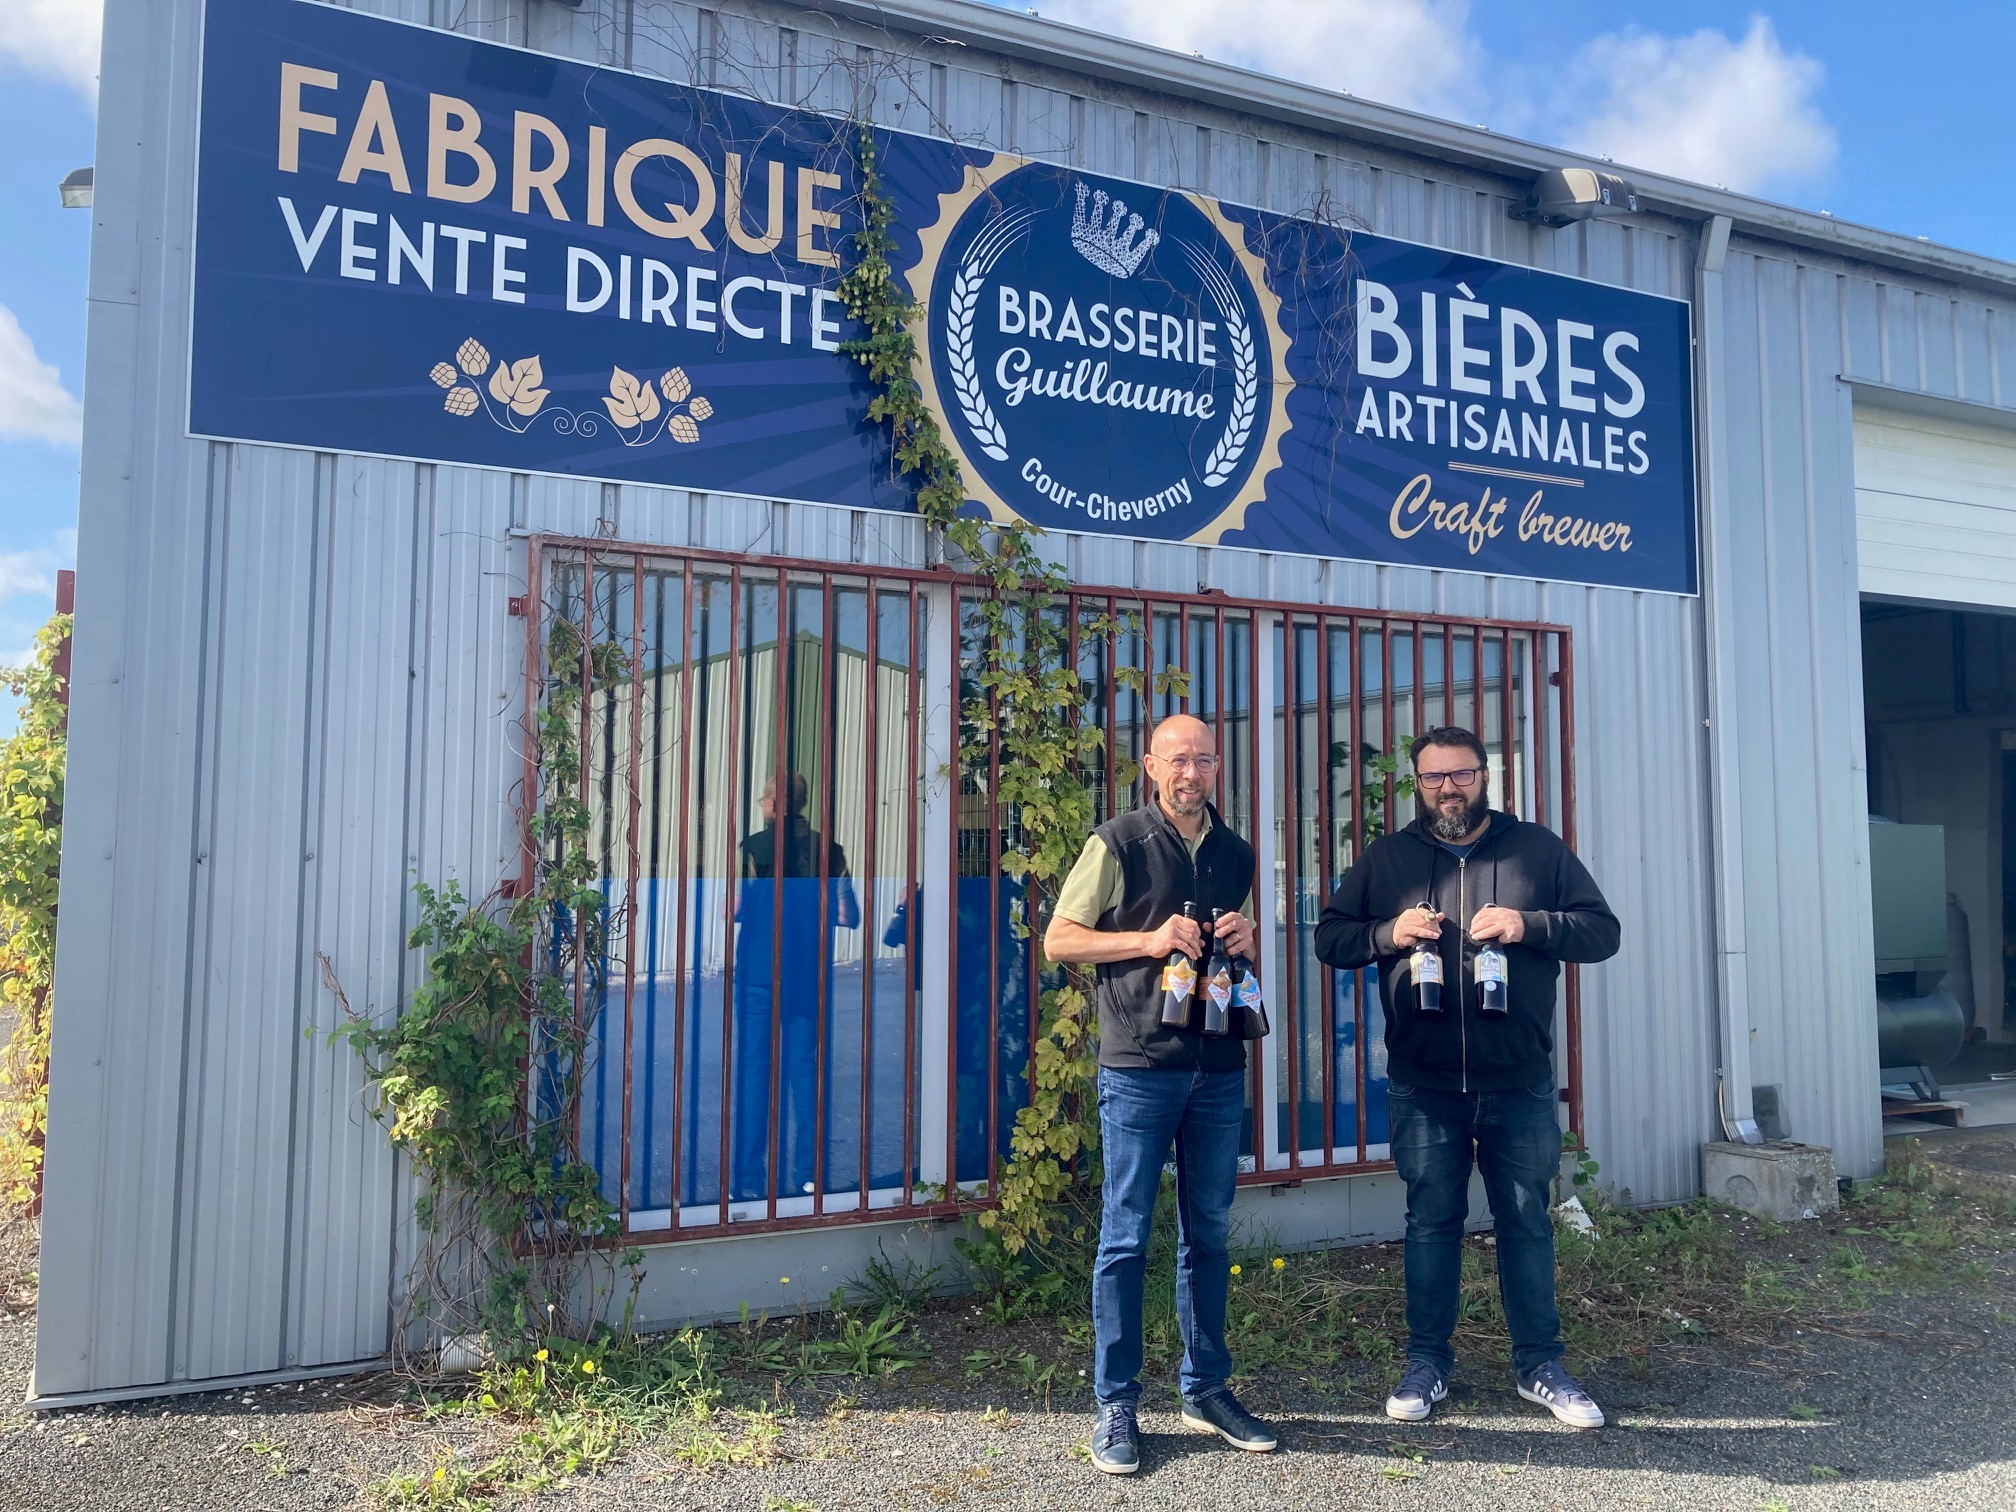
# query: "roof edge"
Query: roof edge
1160,70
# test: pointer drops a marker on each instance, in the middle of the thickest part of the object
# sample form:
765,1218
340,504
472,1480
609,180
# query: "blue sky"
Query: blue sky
1894,116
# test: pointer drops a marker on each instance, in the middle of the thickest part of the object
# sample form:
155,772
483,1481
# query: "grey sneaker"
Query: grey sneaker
1552,1387
1418,1392
1116,1440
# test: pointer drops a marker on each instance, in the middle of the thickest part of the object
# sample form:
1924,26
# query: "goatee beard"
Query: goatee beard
1446,826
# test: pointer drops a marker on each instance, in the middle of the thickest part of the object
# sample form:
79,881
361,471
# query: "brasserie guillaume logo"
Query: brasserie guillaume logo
1107,357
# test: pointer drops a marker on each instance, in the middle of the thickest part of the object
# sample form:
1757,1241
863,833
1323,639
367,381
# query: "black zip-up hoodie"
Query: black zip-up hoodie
1514,865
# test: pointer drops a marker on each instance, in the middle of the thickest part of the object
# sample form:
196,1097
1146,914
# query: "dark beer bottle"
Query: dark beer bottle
1179,983
1491,981
1247,1005
1216,969
1427,970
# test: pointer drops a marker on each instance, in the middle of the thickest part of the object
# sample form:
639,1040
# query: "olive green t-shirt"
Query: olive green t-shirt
1093,886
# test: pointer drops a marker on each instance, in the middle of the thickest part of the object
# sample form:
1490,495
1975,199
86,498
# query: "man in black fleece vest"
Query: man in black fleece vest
1459,879
1162,1085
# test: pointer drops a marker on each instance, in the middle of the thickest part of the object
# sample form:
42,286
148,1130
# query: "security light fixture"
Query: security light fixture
1561,196
76,190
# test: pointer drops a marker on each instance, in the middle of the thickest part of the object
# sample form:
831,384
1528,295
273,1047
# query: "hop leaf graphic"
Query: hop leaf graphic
443,375
461,401
701,409
683,429
474,357
628,401
517,384
676,384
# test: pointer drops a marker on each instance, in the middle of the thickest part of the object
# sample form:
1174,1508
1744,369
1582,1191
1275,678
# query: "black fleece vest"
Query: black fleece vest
1157,879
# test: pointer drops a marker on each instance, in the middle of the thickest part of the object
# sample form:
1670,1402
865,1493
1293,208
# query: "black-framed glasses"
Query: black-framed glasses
1463,777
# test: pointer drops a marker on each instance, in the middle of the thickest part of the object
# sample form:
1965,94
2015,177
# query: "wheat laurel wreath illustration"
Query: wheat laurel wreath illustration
514,399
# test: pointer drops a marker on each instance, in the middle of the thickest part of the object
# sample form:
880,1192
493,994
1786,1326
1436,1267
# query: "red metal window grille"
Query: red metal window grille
816,1006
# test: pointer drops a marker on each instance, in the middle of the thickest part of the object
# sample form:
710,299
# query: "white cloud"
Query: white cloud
1739,112
34,405
1705,106
1415,53
55,37
30,572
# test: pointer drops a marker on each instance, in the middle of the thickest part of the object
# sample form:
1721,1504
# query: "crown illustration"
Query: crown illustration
1100,239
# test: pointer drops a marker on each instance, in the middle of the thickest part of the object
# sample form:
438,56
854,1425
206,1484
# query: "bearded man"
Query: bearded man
1496,904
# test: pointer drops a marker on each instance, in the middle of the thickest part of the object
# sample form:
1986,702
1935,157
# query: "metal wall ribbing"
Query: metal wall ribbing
297,686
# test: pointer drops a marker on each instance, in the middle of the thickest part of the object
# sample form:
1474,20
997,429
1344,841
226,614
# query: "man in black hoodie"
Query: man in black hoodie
1493,902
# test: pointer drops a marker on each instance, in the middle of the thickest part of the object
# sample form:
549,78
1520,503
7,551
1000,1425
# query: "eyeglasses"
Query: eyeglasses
1463,777
1202,765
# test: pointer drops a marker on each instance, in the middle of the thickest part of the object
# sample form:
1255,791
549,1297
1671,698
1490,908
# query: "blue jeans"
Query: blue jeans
1142,1112
1517,1141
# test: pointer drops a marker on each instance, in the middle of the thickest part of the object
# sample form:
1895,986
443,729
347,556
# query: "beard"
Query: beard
1187,803
1451,814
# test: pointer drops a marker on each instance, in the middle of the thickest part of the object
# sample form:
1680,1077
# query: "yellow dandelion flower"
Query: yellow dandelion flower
1279,1263
587,1367
783,1280
541,1356
1235,1270
440,1472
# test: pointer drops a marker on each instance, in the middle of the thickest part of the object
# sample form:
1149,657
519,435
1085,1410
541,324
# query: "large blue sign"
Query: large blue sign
418,245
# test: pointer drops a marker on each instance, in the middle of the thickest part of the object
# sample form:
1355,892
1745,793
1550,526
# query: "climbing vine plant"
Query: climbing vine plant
1021,698
31,839
512,1219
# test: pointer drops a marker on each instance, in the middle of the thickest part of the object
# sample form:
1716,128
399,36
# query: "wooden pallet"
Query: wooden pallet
1953,1113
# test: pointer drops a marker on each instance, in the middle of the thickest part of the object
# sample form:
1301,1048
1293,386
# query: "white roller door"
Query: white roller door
1935,508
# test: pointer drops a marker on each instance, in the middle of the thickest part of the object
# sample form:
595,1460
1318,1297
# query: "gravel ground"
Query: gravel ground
1910,1408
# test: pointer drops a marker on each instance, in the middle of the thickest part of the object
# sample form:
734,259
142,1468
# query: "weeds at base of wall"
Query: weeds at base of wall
1333,1322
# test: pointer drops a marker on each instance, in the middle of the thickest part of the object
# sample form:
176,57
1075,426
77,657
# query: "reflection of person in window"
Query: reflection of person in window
779,923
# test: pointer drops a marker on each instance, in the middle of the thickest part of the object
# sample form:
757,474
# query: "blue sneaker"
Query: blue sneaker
1220,1413
1116,1440
1552,1387
1418,1392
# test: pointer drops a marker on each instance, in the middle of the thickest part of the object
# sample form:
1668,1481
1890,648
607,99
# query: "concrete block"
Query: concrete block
1782,1180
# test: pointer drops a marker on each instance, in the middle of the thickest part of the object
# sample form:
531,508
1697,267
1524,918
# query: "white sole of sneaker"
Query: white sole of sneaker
1408,1413
1561,1414
1198,1425
1116,1469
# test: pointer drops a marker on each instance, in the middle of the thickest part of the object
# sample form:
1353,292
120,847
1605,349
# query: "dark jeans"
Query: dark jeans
1141,1114
1517,1143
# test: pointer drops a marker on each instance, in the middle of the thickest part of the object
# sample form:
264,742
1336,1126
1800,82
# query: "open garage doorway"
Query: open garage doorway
1939,701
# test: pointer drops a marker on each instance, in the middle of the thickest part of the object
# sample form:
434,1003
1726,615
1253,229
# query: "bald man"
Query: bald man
1121,911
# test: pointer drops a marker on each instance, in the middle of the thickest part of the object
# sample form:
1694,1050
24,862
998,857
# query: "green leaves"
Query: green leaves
32,764
499,1162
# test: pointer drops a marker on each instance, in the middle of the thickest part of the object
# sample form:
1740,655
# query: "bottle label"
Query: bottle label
1179,979
1248,992
1220,988
1428,967
1490,968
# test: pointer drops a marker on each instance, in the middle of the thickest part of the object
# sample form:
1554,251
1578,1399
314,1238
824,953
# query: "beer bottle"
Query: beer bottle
1216,968
1427,970
1179,982
1248,1008
1491,981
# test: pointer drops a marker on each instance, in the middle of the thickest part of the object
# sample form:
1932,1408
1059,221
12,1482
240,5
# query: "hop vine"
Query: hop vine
479,1079
1022,699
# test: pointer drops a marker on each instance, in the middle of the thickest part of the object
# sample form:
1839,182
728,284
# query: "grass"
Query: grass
722,1397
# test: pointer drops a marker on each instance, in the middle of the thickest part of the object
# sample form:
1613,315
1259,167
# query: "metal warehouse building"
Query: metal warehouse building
307,595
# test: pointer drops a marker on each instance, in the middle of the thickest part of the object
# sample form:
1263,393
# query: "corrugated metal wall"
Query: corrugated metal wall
297,688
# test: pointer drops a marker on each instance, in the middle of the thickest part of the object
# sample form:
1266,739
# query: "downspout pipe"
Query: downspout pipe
1725,792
